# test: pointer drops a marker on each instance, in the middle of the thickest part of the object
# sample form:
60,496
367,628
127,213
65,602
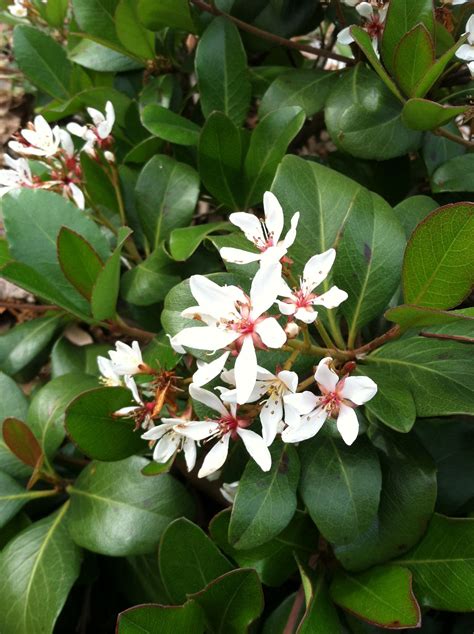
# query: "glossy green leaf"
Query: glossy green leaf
66,357
346,499
161,619
305,88
93,428
117,511
413,57
402,16
439,260
443,564
184,241
13,527
166,193
320,616
139,579
268,144
422,114
220,159
241,594
46,412
12,405
382,596
37,570
97,18
168,125
13,497
438,150
407,316
189,560
413,210
265,502
364,118
171,13
406,503
455,175
436,70
54,12
131,33
79,262
97,183
43,60
221,69
97,57
150,281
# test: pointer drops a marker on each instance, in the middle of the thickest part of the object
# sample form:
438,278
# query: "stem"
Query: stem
129,245
453,137
40,308
298,603
271,37
324,334
47,493
306,383
335,330
120,324
393,333
291,359
296,344
434,335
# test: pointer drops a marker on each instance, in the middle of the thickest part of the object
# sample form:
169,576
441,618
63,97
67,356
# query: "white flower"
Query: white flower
228,491
339,397
208,371
103,123
76,194
98,133
141,412
18,9
228,425
276,387
234,319
109,377
299,302
127,359
39,139
351,3
466,51
170,440
374,24
265,235
19,175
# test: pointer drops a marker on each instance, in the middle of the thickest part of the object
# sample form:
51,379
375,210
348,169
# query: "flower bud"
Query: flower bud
292,329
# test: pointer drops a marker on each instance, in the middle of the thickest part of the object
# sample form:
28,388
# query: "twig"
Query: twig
292,622
453,137
393,333
271,37
434,335
39,308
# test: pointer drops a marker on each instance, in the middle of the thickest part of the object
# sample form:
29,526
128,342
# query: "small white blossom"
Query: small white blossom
466,51
39,139
109,377
18,9
19,175
208,371
127,359
170,439
338,400
374,24
228,491
99,132
299,303
264,235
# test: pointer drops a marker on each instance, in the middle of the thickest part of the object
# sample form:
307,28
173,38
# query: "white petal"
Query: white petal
166,447
359,389
307,315
347,424
272,254
465,52
471,68
215,458
107,370
286,308
256,447
245,370
213,299
77,196
271,333
197,430
365,10
189,450
271,415
325,376
155,433
76,129
291,235
303,402
96,116
250,225
132,386
289,378
331,299
292,416
205,338
345,36
273,216
238,256
127,411
264,289
208,371
317,269
470,26
309,427
207,398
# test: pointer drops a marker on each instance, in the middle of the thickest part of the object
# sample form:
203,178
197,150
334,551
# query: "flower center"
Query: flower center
230,424
375,26
331,403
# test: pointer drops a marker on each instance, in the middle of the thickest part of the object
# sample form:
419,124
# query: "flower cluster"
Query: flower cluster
373,14
240,325
466,51
57,161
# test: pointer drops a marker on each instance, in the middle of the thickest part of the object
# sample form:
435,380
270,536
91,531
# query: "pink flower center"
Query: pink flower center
230,424
374,26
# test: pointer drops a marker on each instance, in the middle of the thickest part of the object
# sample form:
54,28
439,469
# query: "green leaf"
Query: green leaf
162,619
436,70
241,594
13,497
98,184
439,260
443,564
132,35
43,61
265,502
166,13
382,596
46,412
97,57
438,150
220,159
273,561
364,41
21,441
97,18
184,241
106,288
422,114
320,616
25,342
221,69
406,503
29,213
166,192
54,12
402,16
268,144
12,405
188,560
168,125
306,88
13,527
349,480
90,423
117,511
455,175
413,210
37,570
413,57
79,262
364,118
407,316
150,281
